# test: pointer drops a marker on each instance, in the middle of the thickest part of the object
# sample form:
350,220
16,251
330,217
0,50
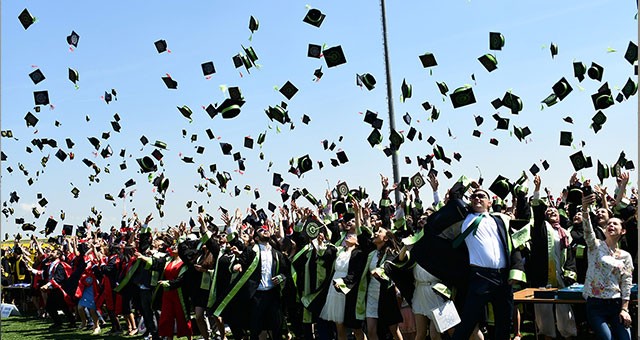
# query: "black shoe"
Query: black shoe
55,326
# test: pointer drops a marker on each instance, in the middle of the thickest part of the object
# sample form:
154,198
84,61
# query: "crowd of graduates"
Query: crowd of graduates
348,265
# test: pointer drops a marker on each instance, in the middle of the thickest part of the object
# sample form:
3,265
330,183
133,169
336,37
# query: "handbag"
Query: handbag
445,316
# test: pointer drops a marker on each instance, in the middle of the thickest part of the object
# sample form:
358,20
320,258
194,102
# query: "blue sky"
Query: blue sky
116,51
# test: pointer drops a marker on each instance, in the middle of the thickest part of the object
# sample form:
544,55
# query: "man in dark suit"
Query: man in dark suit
475,254
263,274
493,267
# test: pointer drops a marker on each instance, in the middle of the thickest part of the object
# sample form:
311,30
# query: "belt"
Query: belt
489,270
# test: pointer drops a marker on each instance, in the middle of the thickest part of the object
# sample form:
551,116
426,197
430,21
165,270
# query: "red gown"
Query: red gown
172,307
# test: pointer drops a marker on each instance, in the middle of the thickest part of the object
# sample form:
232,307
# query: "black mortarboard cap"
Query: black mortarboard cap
36,76
157,154
305,164
412,133
417,180
61,155
237,156
602,99
67,229
342,157
374,138
496,41
41,97
431,140
277,179
562,88
377,123
630,88
367,79
443,88
95,142
318,73
74,76
489,61
171,84
73,38
144,140
406,90
595,72
305,119
235,94
428,60
116,126
161,45
26,226
462,96
314,51
210,134
579,70
334,56
566,138
554,50
147,164
503,123
314,17
396,139
545,165
501,187
578,160
494,141
31,119
208,68
603,171
50,226
253,24
426,106
534,169
288,90
248,142
369,117
226,148
631,55
25,18
513,102
407,118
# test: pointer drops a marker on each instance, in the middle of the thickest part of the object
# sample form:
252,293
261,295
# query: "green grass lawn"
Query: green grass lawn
22,327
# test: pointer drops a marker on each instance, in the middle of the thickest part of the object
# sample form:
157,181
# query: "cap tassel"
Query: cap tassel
168,50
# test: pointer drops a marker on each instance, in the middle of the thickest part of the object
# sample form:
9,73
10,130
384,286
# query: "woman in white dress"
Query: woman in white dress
340,303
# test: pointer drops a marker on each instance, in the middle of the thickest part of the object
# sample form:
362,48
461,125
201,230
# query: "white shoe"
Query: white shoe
96,331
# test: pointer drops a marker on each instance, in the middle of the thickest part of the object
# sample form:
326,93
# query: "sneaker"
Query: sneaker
96,331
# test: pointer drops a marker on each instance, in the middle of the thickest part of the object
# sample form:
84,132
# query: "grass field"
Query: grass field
22,328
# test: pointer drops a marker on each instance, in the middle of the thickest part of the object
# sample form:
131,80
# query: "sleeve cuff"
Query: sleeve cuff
517,275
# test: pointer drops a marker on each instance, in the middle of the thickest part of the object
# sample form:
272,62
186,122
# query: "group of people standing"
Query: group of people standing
351,267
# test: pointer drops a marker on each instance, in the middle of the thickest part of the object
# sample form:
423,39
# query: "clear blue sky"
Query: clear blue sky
116,50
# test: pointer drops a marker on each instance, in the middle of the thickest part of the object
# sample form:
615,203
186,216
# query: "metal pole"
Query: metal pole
392,122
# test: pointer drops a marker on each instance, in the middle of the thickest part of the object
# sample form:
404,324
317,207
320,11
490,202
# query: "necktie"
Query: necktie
472,228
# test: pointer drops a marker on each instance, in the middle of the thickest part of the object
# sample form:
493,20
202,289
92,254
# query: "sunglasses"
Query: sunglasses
478,196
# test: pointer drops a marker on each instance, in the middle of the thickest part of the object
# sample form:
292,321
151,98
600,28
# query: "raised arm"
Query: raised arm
589,234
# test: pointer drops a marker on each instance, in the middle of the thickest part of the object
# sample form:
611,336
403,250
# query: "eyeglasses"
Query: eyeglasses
478,196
